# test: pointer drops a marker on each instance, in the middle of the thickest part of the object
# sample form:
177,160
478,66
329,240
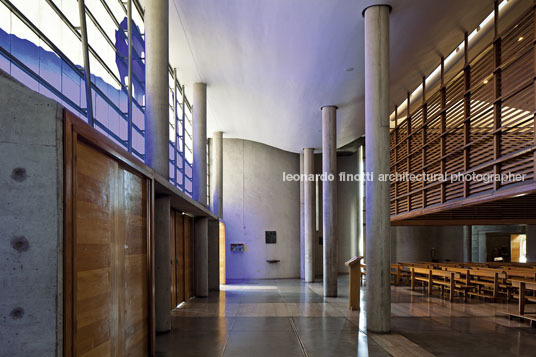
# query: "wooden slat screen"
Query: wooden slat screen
481,121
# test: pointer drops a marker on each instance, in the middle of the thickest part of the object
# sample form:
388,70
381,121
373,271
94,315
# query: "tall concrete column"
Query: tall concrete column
309,214
329,199
200,143
156,86
201,256
378,245
360,188
216,177
162,226
302,233
213,255
467,243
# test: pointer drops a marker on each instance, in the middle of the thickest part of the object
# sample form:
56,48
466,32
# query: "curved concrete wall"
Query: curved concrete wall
256,199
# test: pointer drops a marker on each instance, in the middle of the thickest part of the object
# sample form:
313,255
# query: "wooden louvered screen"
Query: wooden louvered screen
481,121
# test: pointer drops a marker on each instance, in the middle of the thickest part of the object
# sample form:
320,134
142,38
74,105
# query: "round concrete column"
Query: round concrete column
302,233
467,243
378,245
309,214
156,86
329,199
200,143
216,179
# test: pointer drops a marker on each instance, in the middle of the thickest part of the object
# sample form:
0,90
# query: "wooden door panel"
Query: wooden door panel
174,301
136,313
95,223
188,258
179,255
110,257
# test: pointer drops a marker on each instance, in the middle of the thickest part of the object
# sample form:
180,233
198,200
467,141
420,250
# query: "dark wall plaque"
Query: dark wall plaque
271,237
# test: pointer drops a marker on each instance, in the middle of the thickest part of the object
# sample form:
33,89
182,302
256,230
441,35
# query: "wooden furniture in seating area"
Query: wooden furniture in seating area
400,273
523,286
444,280
467,279
424,275
354,265
486,283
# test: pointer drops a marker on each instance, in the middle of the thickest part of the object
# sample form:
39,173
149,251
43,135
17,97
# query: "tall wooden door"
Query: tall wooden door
179,256
188,223
174,301
107,271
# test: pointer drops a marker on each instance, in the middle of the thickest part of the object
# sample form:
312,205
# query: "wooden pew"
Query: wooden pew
423,275
462,282
444,280
484,281
513,274
524,285
400,272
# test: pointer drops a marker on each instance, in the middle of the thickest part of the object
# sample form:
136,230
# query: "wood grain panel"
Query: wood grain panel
174,302
94,177
135,285
188,257
479,121
110,257
179,257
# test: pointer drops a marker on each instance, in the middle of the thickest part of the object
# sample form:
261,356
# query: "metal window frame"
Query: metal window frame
179,145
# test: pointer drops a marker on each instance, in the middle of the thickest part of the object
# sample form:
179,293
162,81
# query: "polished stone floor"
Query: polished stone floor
290,318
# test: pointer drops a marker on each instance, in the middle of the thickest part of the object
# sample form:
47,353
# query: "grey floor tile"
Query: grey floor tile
201,323
323,324
191,343
274,324
416,324
338,343
263,344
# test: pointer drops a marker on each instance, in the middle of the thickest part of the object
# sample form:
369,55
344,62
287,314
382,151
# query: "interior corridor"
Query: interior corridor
287,317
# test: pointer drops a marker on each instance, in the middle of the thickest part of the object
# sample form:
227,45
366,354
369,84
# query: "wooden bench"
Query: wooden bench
444,280
524,285
485,282
399,273
513,274
461,280
424,275
363,272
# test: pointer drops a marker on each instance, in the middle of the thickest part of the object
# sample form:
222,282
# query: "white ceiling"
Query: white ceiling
271,64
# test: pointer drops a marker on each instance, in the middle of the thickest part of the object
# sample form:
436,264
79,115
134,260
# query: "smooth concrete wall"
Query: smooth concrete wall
258,200
347,213
31,222
347,205
415,243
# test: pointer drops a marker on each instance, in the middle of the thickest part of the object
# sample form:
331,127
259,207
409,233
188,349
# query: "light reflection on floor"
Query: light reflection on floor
290,318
